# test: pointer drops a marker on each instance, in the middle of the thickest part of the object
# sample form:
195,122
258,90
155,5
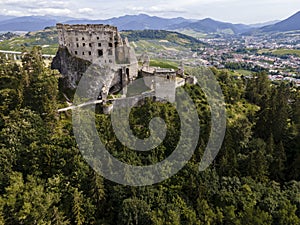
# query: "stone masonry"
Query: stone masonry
94,44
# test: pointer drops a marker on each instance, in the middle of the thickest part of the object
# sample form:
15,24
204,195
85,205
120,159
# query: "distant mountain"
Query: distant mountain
2,17
144,22
29,23
290,24
135,22
259,25
212,26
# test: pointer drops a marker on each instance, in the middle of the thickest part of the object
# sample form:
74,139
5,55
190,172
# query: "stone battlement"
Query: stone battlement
86,27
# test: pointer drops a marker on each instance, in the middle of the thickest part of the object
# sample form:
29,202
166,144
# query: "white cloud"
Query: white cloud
225,10
36,3
160,9
86,10
50,11
13,1
12,12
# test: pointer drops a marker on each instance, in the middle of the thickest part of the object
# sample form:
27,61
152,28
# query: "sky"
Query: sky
235,11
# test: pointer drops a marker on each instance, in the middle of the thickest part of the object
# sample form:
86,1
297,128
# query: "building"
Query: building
80,46
94,44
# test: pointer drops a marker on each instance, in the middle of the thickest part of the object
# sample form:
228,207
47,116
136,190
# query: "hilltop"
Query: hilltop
47,39
290,24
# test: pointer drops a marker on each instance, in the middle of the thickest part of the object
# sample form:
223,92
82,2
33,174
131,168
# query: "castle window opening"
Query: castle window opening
83,38
168,77
99,44
76,39
90,44
98,38
76,53
83,44
100,52
110,45
82,53
77,45
90,53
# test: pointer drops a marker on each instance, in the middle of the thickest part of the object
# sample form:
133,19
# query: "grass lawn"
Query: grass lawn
163,63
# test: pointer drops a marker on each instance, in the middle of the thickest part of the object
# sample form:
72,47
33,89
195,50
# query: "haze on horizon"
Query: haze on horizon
235,11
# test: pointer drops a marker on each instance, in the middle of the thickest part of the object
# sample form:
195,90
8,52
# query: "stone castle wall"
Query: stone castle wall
97,44
94,43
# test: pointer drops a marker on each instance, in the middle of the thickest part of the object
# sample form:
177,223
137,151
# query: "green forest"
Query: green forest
44,179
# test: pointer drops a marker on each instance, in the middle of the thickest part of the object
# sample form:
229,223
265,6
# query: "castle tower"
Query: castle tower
97,44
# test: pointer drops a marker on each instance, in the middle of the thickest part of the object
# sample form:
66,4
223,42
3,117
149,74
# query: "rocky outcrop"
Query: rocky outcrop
70,67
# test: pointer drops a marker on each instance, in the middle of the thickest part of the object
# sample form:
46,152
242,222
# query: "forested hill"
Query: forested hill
44,179
48,39
170,36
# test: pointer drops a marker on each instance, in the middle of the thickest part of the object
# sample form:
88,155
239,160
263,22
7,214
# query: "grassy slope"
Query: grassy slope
47,39
158,40
281,52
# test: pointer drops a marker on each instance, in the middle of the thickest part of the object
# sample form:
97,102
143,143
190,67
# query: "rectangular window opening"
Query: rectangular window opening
100,52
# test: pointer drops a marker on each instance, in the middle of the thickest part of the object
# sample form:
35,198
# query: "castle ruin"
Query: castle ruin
94,44
83,45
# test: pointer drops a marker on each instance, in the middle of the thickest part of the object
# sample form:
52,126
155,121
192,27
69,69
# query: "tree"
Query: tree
41,84
28,202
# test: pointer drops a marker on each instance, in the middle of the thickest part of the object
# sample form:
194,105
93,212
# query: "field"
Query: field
163,64
47,39
281,52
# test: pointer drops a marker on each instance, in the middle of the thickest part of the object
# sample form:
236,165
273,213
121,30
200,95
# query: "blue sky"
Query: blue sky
252,11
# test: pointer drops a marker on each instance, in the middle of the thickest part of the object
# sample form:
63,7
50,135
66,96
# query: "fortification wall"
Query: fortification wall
94,43
98,44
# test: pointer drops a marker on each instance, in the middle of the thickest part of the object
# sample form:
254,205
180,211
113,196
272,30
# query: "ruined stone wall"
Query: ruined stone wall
165,85
95,43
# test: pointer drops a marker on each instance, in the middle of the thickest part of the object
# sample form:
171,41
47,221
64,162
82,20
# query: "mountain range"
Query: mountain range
290,24
143,21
